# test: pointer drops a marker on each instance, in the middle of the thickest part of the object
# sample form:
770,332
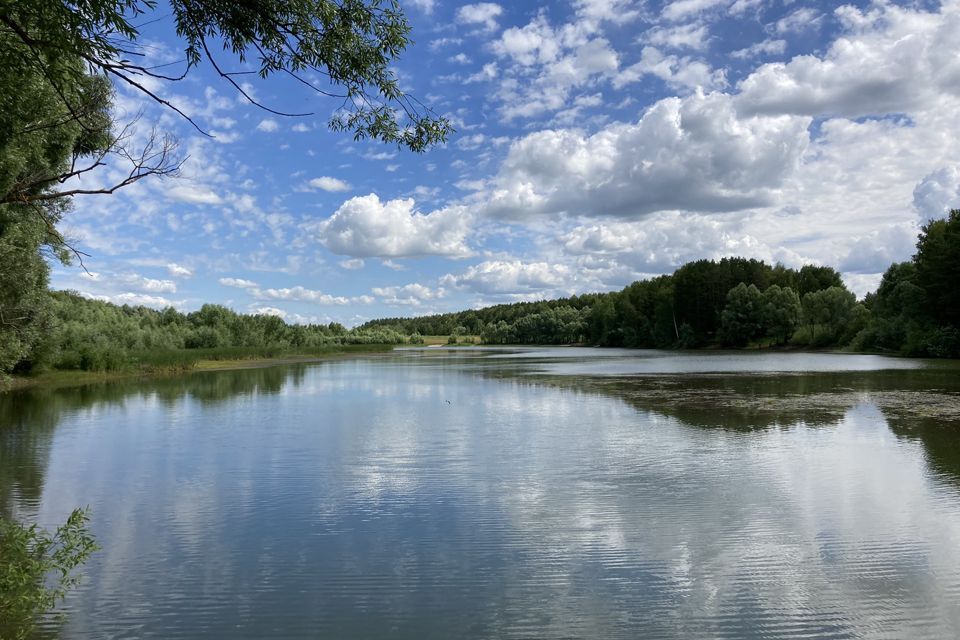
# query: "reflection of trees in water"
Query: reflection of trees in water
940,440
26,433
29,417
745,402
921,404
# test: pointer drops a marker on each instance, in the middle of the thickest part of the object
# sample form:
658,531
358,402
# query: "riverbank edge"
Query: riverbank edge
75,378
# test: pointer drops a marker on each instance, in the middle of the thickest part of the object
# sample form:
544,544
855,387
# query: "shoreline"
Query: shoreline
75,378
71,378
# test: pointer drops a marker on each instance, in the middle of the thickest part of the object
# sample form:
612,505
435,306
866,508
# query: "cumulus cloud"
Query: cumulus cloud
800,20
269,311
616,11
150,285
694,153
891,60
413,294
424,5
683,9
664,242
366,227
764,47
547,63
874,252
497,277
289,294
136,299
238,283
678,72
298,293
687,36
937,193
326,183
484,14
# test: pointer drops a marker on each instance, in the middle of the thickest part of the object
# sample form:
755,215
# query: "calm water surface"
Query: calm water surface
545,493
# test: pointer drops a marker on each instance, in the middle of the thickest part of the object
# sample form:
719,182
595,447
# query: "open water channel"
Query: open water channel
530,493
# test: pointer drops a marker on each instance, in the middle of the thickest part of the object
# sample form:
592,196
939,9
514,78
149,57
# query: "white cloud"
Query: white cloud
487,72
135,299
352,264
268,125
300,294
682,9
533,43
662,243
326,183
193,194
688,36
471,142
365,227
765,47
239,283
179,271
891,60
678,72
550,90
497,277
616,11
874,252
269,311
937,193
544,64
444,42
413,295
150,285
800,20
484,14
424,5
693,153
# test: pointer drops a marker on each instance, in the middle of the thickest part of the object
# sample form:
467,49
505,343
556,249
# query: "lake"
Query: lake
506,493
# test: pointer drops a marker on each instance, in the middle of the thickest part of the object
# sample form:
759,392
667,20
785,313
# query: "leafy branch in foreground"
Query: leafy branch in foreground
37,569
339,49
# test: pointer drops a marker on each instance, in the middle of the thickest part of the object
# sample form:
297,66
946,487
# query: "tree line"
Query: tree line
736,302
91,335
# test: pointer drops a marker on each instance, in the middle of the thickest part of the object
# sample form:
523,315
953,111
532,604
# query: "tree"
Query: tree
350,43
812,278
828,309
779,312
938,268
741,321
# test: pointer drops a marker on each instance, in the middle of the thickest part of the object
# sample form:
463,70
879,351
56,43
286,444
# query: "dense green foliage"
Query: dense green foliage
735,302
37,569
91,335
691,308
916,309
46,131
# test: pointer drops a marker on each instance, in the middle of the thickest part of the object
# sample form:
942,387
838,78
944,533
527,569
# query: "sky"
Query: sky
597,142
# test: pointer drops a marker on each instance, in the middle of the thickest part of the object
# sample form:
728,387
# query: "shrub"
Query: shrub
29,558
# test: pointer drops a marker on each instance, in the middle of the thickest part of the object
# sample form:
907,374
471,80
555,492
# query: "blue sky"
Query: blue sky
598,142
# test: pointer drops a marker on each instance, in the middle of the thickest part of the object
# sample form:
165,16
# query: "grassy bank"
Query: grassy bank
178,361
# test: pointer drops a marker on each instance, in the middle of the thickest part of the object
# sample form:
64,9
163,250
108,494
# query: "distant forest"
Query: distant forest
90,335
736,302
733,302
